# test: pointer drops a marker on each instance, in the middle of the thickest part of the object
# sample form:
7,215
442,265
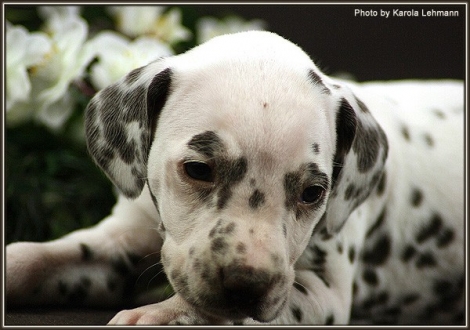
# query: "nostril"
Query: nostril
244,285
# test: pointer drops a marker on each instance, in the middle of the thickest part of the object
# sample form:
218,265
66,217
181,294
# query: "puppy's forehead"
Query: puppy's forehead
255,96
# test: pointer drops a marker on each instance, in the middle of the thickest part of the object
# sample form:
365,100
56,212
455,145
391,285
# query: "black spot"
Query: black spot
325,235
367,146
291,187
316,148
230,172
115,135
191,251
241,248
346,123
224,195
381,184
228,229
319,262
319,255
180,280
256,199
379,252
445,238
219,245
87,254
215,228
330,320
300,288
439,114
339,247
233,171
405,133
361,105
317,80
252,182
355,289
284,230
378,223
428,139
352,192
157,93
416,197
370,277
297,313
408,253
432,229
351,254
134,75
207,143
276,259
133,104
426,260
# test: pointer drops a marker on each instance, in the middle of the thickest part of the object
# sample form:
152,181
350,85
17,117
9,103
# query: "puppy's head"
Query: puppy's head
244,145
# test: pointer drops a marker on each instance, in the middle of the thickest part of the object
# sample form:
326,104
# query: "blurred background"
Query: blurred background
58,57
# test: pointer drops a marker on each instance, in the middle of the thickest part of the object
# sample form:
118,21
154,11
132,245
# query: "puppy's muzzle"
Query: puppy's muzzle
244,286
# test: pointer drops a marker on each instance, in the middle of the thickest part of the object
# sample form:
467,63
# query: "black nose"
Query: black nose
244,285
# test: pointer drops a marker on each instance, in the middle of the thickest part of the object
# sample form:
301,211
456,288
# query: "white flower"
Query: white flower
136,21
56,15
209,27
117,56
69,54
23,51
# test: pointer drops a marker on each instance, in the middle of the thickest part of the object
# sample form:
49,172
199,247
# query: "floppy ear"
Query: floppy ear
120,122
361,152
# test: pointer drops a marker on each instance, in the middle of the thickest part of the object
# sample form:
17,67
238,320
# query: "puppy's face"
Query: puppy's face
241,166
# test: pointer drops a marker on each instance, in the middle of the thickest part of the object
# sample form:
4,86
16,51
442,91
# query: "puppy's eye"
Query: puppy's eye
312,194
198,171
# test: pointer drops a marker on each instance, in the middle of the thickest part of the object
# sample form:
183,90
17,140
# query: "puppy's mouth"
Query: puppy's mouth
238,292
263,310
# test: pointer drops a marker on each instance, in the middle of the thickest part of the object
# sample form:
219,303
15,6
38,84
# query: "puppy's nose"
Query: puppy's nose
244,285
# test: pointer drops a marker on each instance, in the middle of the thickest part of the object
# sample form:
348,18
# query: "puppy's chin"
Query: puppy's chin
258,313
263,311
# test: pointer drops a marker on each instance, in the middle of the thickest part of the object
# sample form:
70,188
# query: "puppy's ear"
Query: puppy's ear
120,122
361,152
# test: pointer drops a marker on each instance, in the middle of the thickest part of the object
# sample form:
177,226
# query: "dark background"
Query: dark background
370,48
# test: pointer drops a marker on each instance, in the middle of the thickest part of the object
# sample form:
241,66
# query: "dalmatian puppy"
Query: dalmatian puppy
269,192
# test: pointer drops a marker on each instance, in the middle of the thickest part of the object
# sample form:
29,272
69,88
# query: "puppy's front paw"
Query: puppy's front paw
174,310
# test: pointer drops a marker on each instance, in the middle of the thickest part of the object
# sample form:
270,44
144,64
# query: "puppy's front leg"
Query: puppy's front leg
174,310
323,288
95,266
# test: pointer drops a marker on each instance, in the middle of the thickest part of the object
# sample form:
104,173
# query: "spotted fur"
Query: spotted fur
317,201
